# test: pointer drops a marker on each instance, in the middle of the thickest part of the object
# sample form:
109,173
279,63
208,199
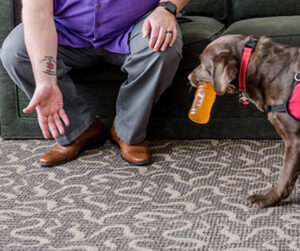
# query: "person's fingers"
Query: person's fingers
34,102
58,123
52,127
167,41
174,37
153,36
64,117
146,28
43,122
161,38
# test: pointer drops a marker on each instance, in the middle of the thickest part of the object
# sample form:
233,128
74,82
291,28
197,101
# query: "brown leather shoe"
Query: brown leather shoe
138,154
61,154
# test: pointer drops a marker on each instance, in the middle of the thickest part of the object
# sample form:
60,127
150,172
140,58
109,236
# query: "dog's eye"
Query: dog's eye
208,70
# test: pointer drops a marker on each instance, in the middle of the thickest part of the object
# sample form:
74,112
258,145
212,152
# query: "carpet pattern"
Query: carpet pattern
193,197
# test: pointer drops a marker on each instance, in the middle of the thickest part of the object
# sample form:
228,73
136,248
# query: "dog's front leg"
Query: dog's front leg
287,178
288,130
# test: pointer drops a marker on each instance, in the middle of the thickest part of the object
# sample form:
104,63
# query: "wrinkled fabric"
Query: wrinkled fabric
98,23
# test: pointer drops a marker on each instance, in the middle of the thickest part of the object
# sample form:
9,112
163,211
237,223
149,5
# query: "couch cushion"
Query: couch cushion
245,9
196,35
208,8
284,30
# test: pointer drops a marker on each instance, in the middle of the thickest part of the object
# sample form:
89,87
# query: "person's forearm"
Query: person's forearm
41,43
179,3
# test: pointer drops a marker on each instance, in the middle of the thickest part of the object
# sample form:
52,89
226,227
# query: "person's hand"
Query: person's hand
161,25
48,101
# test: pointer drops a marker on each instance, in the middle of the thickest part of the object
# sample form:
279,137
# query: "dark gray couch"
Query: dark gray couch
204,20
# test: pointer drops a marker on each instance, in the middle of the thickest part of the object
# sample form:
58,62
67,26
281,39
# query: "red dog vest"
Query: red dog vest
292,105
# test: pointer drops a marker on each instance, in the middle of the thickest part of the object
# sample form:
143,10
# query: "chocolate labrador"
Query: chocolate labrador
271,71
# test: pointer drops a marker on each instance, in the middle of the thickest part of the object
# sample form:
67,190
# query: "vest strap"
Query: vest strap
278,108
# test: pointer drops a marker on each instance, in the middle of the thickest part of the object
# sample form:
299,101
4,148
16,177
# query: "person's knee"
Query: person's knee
12,51
6,57
9,56
169,62
172,55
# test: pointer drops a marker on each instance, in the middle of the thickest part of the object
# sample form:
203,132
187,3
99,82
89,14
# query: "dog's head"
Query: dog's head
219,64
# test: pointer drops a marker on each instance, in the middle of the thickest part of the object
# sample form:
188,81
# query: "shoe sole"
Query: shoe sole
142,163
96,142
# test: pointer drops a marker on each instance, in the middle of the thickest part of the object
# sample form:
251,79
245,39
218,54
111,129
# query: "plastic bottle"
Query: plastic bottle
204,99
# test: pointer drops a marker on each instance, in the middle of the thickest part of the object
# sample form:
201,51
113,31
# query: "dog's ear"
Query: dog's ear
225,69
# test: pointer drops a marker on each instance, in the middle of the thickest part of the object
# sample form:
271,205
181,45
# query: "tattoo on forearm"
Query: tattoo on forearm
50,65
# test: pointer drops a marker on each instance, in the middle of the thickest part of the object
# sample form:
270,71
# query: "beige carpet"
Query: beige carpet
191,198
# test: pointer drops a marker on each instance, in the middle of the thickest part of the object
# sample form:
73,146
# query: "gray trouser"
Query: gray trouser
149,74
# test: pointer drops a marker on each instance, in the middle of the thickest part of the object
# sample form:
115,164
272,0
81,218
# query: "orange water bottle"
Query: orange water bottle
204,99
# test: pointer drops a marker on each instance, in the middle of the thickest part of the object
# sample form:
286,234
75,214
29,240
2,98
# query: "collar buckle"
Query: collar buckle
243,98
251,43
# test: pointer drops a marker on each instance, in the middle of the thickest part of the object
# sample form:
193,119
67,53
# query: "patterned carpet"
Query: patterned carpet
191,198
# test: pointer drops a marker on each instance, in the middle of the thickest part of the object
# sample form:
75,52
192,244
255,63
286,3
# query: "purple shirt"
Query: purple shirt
98,23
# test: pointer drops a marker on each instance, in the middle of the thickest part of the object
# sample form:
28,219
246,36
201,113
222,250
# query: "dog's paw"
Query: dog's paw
257,200
263,201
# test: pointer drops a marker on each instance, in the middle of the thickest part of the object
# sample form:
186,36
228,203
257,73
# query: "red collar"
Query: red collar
248,49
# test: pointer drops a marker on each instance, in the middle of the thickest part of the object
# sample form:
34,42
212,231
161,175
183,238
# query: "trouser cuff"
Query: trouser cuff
124,134
68,138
